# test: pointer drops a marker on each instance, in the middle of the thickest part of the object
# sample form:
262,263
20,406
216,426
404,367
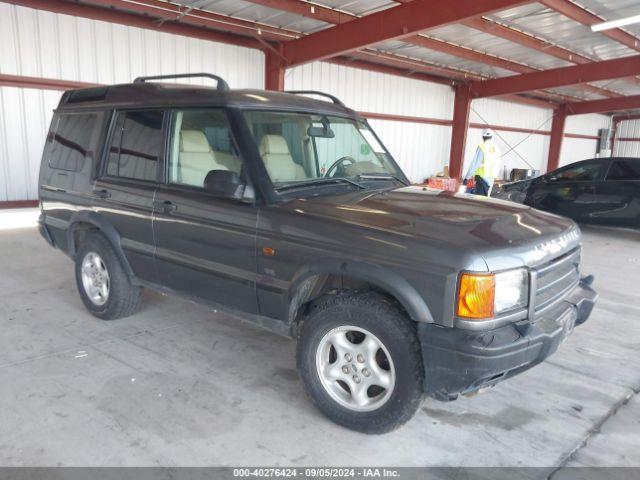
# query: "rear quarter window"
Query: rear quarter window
624,170
70,141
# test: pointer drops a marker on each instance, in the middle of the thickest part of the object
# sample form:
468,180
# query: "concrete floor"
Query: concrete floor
179,385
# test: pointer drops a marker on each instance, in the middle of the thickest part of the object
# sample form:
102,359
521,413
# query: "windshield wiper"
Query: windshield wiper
381,176
320,181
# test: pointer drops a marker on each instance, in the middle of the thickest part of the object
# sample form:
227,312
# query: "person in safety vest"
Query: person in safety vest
485,166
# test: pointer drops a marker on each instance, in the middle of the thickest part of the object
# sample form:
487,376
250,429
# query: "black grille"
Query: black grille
556,279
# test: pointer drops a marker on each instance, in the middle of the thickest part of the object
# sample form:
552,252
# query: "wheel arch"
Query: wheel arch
316,279
87,221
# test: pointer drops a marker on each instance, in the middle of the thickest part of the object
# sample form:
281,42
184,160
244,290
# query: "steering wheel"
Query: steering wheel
338,163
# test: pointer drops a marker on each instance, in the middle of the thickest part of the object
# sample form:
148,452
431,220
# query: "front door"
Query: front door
569,191
205,245
125,191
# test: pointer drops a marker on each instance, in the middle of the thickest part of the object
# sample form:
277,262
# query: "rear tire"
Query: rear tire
370,393
103,284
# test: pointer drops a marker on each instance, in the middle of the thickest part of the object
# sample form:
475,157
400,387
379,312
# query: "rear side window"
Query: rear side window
136,144
624,170
70,141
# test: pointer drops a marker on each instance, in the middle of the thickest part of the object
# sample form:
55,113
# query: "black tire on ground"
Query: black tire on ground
384,319
123,298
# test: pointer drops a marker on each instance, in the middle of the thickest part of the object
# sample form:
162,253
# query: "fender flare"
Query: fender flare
106,228
391,282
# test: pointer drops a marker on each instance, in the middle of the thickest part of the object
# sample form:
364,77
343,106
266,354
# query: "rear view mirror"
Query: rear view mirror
227,184
322,132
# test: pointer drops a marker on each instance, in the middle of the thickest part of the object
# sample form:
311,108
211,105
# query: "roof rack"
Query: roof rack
222,85
335,100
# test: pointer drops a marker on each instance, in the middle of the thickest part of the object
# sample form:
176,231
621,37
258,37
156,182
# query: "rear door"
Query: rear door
619,193
125,192
206,245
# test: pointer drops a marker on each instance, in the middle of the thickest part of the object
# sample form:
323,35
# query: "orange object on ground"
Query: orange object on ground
441,183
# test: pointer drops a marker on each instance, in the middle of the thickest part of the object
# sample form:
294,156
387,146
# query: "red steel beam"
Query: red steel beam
555,143
400,70
447,123
18,204
394,23
135,20
461,109
274,71
604,105
41,83
581,15
559,77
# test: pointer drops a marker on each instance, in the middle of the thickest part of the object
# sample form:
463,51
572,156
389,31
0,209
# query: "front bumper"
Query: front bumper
461,361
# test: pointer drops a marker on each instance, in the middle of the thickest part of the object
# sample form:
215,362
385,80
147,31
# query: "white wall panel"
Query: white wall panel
625,148
575,149
420,149
423,149
43,44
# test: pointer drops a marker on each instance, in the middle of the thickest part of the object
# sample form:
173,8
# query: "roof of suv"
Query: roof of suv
154,94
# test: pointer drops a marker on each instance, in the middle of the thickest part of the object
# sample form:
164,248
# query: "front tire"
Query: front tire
360,361
103,284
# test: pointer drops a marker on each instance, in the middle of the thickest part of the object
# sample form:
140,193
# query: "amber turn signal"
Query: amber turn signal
476,294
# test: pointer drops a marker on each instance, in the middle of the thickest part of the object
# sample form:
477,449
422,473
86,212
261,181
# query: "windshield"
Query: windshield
301,149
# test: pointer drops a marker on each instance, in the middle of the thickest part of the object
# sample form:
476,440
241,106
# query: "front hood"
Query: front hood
483,225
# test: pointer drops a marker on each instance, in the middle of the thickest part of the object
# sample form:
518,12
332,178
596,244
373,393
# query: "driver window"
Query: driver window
201,142
585,172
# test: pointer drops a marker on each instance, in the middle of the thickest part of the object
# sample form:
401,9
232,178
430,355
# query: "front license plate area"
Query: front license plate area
568,321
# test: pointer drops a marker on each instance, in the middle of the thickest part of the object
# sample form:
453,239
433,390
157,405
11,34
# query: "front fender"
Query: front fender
388,281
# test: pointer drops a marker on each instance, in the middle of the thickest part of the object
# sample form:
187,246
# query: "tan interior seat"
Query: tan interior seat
229,160
277,158
196,158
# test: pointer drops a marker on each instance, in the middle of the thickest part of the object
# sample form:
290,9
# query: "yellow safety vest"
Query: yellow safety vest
490,167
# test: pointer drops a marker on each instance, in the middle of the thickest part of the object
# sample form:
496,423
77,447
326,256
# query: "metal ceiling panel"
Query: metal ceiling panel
441,59
257,13
358,7
541,21
484,42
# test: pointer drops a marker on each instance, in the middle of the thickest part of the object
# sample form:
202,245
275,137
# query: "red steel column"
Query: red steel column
557,132
273,71
461,107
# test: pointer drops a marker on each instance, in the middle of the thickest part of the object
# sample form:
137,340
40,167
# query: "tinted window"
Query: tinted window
583,172
624,170
70,141
136,145
201,142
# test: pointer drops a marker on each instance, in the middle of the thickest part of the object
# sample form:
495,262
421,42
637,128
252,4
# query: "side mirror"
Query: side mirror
227,184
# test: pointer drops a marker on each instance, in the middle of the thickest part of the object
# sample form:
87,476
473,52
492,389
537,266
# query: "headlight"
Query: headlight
512,290
482,296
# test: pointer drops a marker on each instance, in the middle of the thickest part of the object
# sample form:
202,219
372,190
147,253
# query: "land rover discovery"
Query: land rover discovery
289,212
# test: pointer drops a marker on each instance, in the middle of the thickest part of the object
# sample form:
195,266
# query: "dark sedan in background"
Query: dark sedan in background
600,190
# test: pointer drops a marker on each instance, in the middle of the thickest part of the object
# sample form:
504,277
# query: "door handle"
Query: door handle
165,206
101,194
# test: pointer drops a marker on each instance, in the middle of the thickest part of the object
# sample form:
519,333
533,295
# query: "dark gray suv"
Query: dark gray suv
290,213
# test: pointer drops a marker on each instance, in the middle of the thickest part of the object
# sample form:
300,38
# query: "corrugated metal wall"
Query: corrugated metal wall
629,129
42,44
423,149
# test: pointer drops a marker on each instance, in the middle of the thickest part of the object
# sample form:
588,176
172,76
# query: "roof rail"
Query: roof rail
222,85
335,100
